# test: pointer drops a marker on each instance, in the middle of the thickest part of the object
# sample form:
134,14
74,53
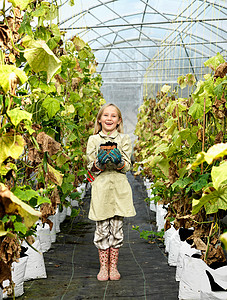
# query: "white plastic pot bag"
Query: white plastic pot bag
192,277
82,189
174,248
57,220
184,249
62,214
167,235
147,184
68,209
43,233
53,229
35,267
153,206
160,216
216,287
18,271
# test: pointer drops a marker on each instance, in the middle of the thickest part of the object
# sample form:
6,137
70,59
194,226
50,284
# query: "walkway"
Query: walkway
72,262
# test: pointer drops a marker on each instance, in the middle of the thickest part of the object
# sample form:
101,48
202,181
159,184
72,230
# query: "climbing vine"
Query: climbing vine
182,148
49,98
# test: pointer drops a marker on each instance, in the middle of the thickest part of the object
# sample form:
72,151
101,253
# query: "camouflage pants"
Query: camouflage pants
109,233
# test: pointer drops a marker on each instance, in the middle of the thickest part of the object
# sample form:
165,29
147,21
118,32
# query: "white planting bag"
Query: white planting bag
62,214
184,249
153,206
82,189
18,271
147,184
1,294
160,216
53,229
43,233
220,277
174,248
35,267
57,220
193,276
69,211
167,235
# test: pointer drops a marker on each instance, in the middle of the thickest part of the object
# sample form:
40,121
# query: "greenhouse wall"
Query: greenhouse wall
128,97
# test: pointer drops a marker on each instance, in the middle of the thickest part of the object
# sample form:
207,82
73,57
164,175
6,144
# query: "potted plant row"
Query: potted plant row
181,151
49,98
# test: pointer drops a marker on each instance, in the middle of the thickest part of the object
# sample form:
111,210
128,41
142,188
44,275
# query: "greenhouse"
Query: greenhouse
113,149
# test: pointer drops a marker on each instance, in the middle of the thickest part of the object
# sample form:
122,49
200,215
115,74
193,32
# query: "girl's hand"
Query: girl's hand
115,156
103,157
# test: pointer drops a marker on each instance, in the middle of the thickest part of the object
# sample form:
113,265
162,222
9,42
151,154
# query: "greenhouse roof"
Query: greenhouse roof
152,41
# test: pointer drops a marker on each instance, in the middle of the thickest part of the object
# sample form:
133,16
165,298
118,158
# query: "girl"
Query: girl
109,153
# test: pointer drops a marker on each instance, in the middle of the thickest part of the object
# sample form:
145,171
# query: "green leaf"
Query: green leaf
6,71
75,212
164,166
43,200
25,195
66,187
61,160
181,183
71,2
162,148
20,227
196,110
219,174
215,152
200,183
41,58
190,135
214,61
217,200
17,115
223,239
11,145
69,178
22,4
218,91
212,202
200,158
3,232
13,205
4,169
78,42
52,106
166,88
181,81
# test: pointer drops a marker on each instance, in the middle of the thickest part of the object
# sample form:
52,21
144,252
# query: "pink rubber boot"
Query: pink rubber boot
114,274
104,265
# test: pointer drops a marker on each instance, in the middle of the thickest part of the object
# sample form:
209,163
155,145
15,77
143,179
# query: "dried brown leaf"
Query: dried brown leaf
221,70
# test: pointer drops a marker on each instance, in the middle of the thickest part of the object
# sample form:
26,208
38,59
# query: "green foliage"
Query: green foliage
181,148
149,234
49,98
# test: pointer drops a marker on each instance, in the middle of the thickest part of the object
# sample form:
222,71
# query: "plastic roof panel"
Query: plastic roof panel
149,42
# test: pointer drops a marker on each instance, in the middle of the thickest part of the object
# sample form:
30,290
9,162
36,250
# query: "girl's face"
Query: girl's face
109,120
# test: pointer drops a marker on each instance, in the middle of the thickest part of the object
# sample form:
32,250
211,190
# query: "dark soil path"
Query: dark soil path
72,262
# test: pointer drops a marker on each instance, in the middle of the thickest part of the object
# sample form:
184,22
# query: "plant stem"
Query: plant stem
204,124
208,241
178,118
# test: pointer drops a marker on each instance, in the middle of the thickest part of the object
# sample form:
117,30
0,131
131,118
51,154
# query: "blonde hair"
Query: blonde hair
98,126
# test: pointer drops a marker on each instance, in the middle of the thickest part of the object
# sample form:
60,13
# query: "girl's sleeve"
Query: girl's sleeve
126,153
91,152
